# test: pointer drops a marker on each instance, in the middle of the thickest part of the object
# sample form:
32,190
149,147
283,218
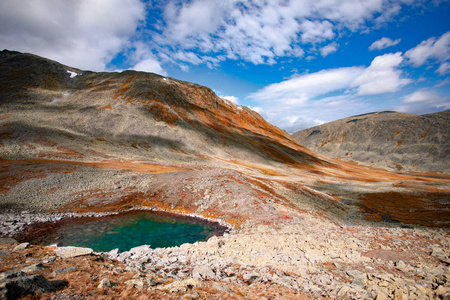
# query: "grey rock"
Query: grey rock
378,146
8,241
49,259
11,274
250,277
358,277
34,268
141,250
18,284
113,254
63,271
105,283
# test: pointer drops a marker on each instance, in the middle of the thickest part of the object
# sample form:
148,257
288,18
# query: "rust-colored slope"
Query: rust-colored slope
129,114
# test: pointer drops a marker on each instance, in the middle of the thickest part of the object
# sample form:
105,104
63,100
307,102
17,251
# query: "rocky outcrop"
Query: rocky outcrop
14,285
395,141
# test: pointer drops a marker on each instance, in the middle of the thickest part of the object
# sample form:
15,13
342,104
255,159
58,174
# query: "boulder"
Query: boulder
34,268
250,277
21,247
63,271
180,286
17,284
68,252
141,250
105,283
203,272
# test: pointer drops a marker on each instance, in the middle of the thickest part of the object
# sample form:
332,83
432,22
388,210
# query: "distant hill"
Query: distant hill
391,140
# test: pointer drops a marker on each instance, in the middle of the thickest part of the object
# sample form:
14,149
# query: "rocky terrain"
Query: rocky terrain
302,226
390,140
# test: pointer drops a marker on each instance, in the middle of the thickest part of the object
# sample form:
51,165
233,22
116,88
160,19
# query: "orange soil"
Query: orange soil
427,209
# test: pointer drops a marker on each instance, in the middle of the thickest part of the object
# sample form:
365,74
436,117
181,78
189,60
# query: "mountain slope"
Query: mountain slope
58,111
396,141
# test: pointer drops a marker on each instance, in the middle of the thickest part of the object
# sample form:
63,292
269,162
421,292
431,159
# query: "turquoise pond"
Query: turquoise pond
124,231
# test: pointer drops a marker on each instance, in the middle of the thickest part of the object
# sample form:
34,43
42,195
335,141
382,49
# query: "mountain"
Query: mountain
391,140
56,111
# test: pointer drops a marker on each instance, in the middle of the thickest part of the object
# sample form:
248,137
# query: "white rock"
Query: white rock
21,247
70,251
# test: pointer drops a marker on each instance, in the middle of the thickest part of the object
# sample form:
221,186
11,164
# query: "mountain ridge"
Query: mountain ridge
391,140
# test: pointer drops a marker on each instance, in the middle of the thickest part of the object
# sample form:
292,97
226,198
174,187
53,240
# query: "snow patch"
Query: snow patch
72,74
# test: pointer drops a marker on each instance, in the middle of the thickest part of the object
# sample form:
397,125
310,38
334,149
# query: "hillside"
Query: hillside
60,112
77,143
395,141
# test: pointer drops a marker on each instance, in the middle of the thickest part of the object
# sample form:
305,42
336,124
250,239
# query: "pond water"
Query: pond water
124,231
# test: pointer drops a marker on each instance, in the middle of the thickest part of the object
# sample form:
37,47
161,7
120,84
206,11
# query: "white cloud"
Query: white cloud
309,99
328,49
444,68
143,59
382,76
422,96
384,43
423,101
150,65
261,31
83,34
300,89
432,49
317,31
295,103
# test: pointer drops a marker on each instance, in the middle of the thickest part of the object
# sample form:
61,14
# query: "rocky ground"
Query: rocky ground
309,256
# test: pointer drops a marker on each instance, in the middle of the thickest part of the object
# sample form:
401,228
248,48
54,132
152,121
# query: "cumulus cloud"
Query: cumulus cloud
422,96
150,65
261,32
84,34
383,43
444,68
382,76
300,89
432,49
295,103
423,101
298,102
328,49
140,56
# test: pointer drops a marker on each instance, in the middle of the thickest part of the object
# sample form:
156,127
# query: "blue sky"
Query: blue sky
297,63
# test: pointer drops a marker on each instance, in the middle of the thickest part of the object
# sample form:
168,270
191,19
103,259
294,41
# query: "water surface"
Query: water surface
124,231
